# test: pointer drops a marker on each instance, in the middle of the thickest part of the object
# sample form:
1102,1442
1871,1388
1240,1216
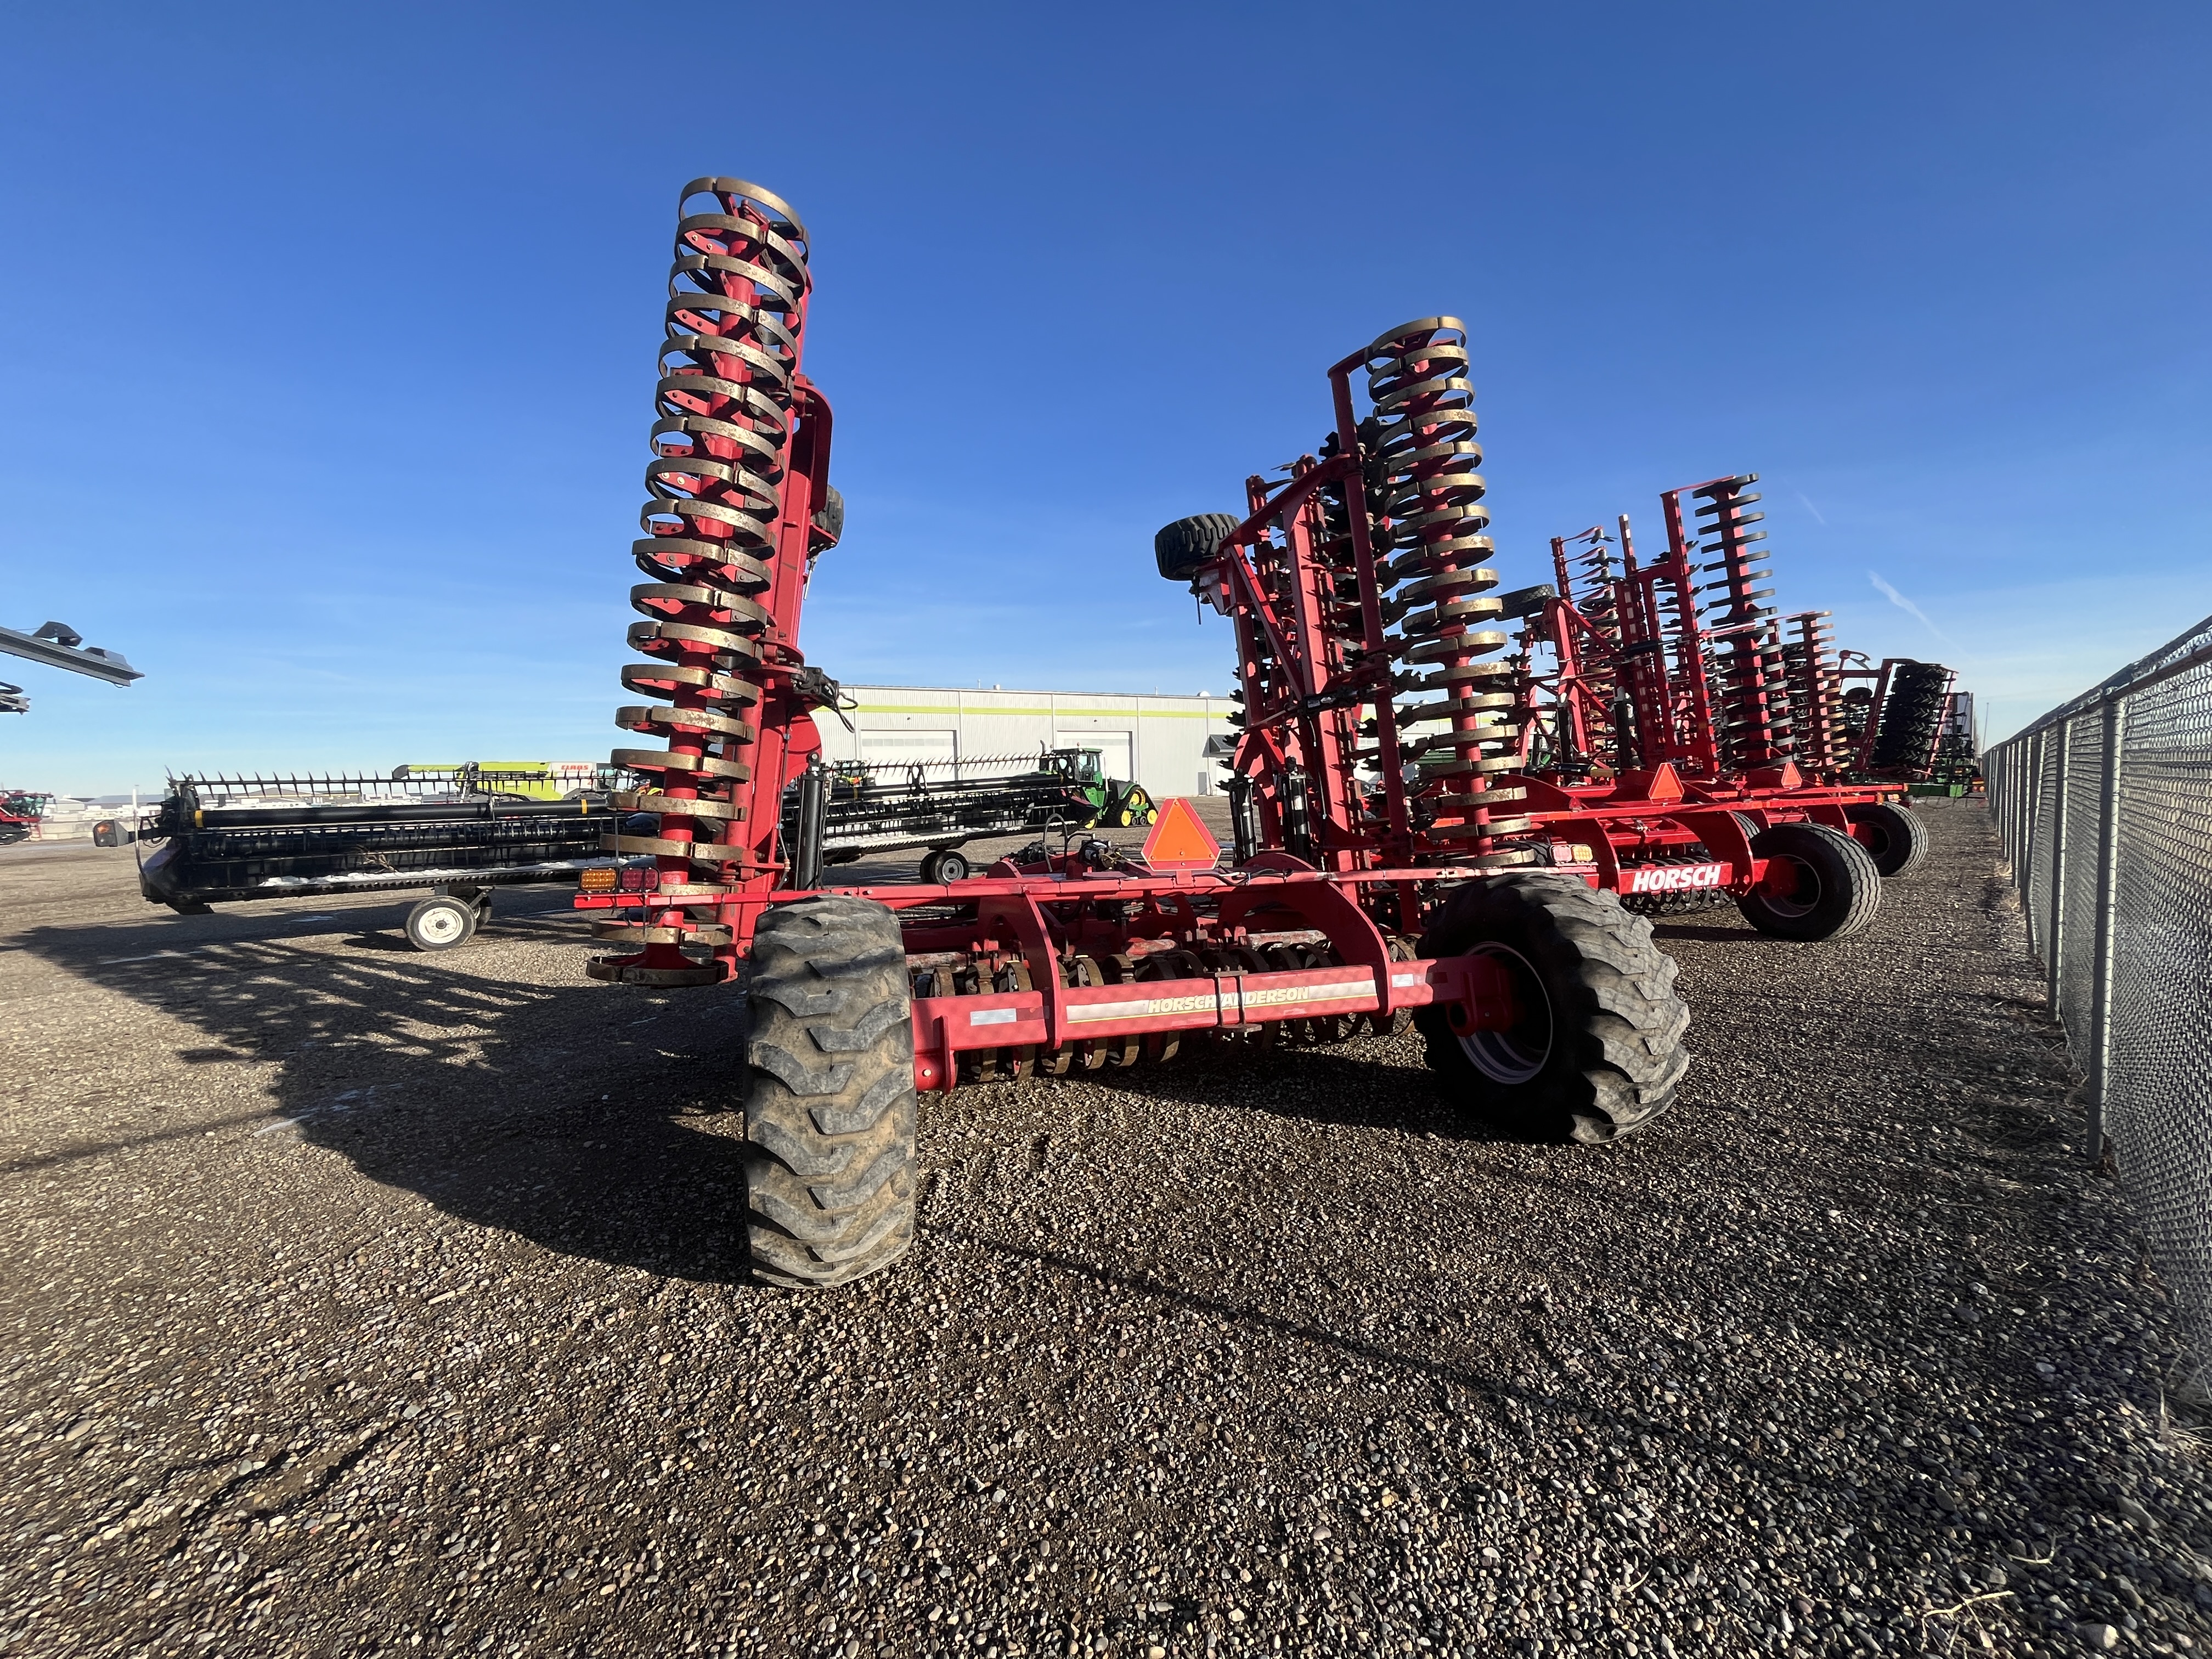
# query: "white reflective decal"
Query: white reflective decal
1253,997
1147,1009
1342,991
1402,980
992,1017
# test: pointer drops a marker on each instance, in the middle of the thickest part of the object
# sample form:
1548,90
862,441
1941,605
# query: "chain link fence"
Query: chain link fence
2105,808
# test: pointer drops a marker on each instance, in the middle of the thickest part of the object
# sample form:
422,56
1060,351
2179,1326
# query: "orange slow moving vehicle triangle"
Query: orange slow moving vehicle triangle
1179,841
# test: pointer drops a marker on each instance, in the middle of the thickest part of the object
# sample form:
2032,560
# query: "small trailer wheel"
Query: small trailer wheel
1595,1049
945,865
441,922
829,1099
1819,884
1894,838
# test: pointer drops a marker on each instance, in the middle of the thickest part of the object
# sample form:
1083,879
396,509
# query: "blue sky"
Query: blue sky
327,335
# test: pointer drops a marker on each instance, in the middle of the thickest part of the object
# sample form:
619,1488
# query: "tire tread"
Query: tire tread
830,1101
1626,1026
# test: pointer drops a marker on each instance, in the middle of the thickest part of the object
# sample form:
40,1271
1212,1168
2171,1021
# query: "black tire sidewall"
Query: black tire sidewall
1511,912
1844,870
1181,547
1543,1102
1903,836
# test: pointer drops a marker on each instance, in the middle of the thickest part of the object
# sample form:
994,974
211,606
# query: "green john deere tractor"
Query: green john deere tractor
1115,803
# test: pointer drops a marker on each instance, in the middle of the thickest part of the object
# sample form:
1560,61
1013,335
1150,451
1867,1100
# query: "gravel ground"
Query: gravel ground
364,1301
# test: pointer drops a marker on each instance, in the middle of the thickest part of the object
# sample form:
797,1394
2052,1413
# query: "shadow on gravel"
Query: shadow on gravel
1314,1085
372,941
588,1119
1743,933
582,1117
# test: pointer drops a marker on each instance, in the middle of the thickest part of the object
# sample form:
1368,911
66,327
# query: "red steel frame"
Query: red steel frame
1037,916
1585,669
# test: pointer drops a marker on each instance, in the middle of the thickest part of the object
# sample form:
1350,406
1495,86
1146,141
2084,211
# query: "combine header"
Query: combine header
453,830
882,806
1388,868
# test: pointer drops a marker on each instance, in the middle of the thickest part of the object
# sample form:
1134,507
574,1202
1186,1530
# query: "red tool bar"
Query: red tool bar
946,1027
1104,885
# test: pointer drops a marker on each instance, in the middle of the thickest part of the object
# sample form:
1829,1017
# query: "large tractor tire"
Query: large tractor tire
1597,1050
1895,839
830,1101
1819,884
1187,543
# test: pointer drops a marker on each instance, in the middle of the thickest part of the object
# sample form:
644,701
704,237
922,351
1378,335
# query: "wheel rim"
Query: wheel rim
951,869
440,924
1802,895
1520,1052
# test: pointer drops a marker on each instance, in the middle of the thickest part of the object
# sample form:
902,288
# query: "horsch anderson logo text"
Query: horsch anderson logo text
1673,878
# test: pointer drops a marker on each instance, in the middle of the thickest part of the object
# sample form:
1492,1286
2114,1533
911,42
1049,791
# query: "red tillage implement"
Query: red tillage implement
1668,688
1386,866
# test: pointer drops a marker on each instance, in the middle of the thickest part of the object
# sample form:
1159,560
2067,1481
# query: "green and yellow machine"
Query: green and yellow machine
1114,801
523,780
882,805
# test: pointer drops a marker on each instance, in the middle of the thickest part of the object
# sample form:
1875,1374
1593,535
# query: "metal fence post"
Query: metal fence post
2000,796
2013,764
2012,807
2054,942
2015,782
2100,966
2031,807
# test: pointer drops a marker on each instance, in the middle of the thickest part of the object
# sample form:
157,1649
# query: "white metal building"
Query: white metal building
1158,741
